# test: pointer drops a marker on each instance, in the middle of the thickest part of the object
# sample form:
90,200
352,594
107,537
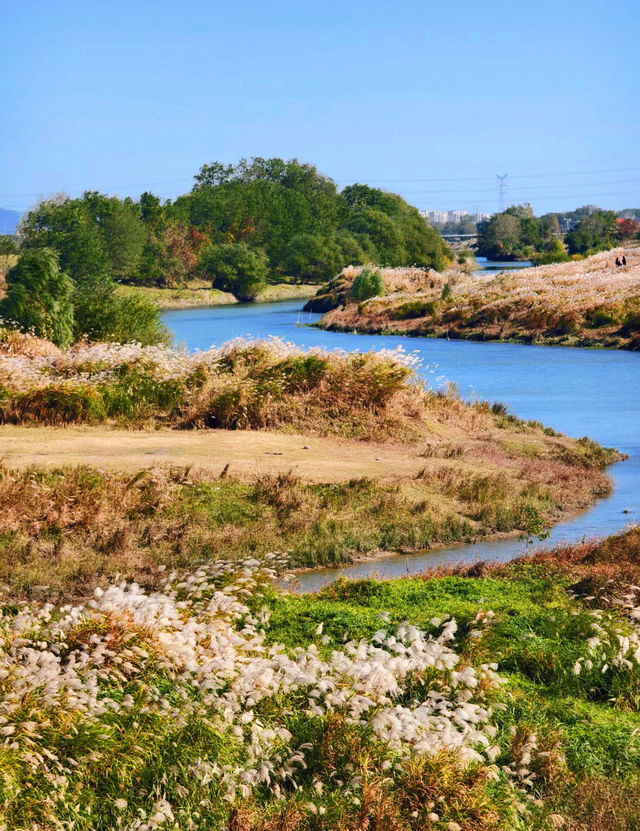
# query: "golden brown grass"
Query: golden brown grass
69,527
199,294
587,302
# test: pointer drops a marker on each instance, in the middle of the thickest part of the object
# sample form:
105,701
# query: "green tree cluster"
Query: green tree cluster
239,226
97,241
517,234
594,232
236,268
305,226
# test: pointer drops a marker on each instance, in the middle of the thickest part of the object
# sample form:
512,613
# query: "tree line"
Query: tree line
516,234
239,226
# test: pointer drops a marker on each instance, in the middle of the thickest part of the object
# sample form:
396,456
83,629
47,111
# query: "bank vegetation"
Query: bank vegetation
590,302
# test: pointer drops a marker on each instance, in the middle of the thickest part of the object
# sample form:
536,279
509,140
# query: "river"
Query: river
577,391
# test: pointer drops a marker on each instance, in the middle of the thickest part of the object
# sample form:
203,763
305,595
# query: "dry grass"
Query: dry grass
67,527
242,385
199,294
584,302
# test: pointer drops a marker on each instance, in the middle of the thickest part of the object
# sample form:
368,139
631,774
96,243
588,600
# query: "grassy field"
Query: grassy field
200,294
502,698
70,528
588,302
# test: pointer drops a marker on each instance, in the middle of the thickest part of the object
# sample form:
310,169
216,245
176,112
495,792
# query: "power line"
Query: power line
511,176
521,185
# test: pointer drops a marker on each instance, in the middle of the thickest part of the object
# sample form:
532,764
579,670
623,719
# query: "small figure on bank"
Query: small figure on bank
618,263
624,260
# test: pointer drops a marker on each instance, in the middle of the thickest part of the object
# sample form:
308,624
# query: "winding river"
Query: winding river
578,391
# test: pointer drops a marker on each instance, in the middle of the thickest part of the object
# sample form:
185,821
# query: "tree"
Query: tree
499,237
627,228
236,268
423,244
596,231
39,296
122,232
382,231
8,244
367,284
313,258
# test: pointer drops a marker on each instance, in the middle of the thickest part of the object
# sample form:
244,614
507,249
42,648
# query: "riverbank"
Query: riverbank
80,504
491,697
357,456
199,294
590,302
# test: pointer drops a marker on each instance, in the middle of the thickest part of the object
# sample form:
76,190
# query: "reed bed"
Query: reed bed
585,302
65,531
243,384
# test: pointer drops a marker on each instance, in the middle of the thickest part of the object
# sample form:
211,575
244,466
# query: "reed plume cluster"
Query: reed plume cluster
243,384
585,302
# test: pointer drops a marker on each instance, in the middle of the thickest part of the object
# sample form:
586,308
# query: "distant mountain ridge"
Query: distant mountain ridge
8,221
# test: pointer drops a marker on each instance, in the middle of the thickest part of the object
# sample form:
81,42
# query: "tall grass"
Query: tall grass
590,301
241,385
71,529
496,700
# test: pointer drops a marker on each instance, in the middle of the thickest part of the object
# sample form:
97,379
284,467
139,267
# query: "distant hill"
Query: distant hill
8,221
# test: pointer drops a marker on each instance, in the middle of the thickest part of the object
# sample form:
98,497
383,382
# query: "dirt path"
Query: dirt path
246,452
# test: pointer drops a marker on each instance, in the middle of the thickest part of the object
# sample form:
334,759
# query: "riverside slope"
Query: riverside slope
589,302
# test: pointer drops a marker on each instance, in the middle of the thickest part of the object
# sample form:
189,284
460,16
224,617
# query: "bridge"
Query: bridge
460,240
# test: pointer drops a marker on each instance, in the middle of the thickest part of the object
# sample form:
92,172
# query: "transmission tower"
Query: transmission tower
501,190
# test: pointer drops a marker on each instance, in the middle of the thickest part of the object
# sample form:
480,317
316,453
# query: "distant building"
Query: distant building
435,217
455,217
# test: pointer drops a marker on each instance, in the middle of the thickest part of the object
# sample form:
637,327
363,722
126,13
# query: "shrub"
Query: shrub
135,393
103,315
631,323
39,297
549,257
367,284
414,308
137,319
600,317
56,404
236,268
8,245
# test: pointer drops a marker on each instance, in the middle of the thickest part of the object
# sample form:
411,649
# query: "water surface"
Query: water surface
581,392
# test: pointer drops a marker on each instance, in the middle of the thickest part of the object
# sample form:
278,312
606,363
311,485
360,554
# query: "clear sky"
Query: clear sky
428,99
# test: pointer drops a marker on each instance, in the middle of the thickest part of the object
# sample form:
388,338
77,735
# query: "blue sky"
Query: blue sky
428,99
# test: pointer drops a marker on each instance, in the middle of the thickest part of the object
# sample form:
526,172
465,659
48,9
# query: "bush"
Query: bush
56,404
631,323
39,297
8,244
414,308
600,317
367,284
549,257
137,319
236,268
